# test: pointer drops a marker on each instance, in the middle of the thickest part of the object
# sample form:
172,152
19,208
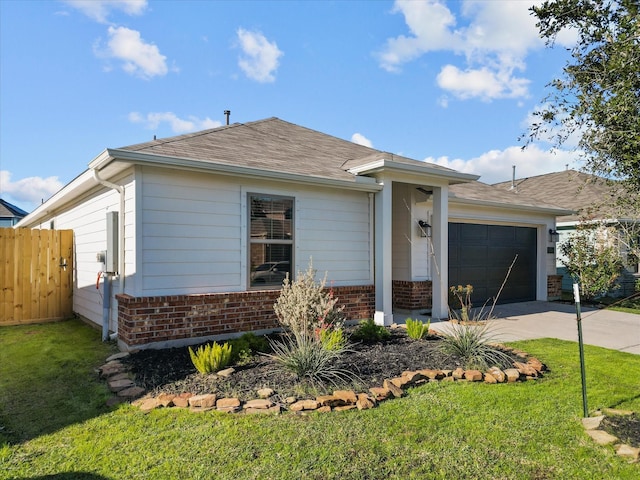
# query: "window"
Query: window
270,239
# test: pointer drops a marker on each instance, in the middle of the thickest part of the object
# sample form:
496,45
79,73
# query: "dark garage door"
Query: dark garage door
480,255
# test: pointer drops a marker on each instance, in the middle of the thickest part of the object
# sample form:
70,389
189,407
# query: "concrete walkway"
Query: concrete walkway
528,320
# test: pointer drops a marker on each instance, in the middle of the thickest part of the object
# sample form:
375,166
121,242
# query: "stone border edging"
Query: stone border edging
120,383
592,428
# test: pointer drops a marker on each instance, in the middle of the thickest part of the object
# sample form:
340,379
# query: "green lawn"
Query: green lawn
52,413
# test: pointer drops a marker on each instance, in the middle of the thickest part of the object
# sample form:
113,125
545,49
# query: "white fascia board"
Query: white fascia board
138,158
71,190
557,212
453,177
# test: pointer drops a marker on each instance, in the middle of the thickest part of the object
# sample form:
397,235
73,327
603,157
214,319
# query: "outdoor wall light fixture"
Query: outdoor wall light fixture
553,235
424,229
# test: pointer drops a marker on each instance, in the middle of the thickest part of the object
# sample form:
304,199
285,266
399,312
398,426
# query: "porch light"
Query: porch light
424,229
553,235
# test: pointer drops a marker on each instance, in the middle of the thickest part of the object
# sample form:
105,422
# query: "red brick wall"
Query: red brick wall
412,295
145,320
554,287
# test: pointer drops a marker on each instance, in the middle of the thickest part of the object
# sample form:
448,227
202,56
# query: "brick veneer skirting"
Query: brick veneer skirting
148,320
412,295
554,287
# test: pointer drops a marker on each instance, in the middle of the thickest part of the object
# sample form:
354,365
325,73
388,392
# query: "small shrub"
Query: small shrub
333,339
211,357
462,295
416,329
304,306
307,358
245,346
368,332
475,346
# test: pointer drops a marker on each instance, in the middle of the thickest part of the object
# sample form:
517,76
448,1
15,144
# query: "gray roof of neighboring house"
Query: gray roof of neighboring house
7,210
479,192
274,145
588,195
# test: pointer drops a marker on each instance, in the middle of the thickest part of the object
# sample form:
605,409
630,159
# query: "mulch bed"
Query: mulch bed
171,371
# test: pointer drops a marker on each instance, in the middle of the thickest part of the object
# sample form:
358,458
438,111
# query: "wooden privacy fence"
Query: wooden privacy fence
35,276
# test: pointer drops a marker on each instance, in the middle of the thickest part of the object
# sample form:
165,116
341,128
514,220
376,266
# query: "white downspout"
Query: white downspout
121,275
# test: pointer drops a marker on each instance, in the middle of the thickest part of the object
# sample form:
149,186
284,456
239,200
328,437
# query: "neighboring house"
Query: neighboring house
591,198
200,228
10,214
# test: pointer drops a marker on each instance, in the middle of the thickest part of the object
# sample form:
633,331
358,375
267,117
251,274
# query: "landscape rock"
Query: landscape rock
304,405
227,372
628,451
274,409
265,392
380,393
117,385
525,369
512,375
488,378
207,400
473,375
117,356
601,437
458,374
259,403
364,402
131,392
182,400
324,409
498,374
344,408
226,403
149,404
347,396
395,390
432,374
592,423
330,400
166,399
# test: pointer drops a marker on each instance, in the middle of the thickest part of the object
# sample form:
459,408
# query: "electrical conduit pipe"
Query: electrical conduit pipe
106,301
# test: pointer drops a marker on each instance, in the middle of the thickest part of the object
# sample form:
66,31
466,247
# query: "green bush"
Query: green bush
245,346
333,338
475,346
304,306
368,332
211,357
308,358
416,329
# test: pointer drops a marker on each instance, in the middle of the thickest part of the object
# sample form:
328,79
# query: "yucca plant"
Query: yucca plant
475,346
211,357
416,329
307,358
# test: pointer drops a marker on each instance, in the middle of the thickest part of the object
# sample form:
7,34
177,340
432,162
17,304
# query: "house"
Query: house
194,233
592,199
10,214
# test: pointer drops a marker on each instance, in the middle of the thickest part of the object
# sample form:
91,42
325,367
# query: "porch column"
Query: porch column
382,258
440,263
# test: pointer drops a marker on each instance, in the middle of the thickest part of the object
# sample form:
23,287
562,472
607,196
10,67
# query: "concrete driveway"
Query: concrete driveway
528,320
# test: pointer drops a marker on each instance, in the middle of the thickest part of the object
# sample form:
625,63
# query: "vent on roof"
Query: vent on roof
226,114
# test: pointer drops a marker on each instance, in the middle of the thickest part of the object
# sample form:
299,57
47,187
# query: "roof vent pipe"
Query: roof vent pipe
513,178
226,114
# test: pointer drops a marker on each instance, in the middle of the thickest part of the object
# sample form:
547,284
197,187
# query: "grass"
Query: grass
440,430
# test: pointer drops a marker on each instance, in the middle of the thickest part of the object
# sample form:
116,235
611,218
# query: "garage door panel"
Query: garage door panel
480,255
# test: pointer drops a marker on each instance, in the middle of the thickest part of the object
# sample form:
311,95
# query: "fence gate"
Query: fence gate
35,275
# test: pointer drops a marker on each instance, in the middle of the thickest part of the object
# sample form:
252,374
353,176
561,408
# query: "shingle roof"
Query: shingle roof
7,210
570,189
273,145
481,192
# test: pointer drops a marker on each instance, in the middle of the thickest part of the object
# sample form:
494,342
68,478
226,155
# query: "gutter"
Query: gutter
121,275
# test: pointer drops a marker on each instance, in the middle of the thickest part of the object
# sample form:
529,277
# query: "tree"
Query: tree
593,259
598,96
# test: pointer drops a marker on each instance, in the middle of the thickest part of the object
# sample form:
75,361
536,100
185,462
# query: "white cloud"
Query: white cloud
141,59
29,192
496,165
99,10
494,42
178,125
260,57
481,83
361,140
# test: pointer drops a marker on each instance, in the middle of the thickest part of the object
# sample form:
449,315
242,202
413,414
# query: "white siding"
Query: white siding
193,232
87,218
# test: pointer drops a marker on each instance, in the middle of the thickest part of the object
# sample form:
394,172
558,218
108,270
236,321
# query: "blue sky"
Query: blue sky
452,83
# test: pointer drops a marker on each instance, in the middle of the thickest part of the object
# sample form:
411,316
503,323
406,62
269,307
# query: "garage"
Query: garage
480,255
